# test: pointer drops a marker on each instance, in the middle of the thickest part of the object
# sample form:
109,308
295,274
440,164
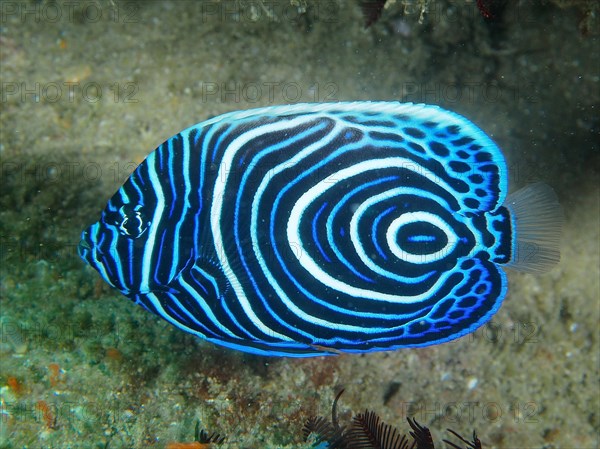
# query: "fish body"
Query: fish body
314,229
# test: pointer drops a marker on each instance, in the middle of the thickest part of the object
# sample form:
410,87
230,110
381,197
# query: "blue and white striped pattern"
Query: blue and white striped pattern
314,228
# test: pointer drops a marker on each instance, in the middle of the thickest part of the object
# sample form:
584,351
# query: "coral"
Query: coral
203,440
368,431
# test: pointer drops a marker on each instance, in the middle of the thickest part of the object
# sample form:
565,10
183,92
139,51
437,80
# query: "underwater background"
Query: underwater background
89,88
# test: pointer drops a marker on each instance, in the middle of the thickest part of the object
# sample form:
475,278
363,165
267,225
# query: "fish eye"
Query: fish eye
132,222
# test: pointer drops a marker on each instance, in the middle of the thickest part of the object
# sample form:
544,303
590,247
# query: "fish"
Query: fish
324,228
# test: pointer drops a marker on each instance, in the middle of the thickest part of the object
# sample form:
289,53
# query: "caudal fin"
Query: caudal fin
537,225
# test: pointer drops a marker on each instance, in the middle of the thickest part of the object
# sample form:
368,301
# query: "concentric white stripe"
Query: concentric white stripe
285,299
292,227
414,217
355,237
303,256
217,206
215,225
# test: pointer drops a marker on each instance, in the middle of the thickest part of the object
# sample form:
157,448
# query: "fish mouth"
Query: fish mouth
91,255
84,247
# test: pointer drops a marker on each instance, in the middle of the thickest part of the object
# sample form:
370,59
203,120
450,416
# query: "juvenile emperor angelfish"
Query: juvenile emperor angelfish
314,229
